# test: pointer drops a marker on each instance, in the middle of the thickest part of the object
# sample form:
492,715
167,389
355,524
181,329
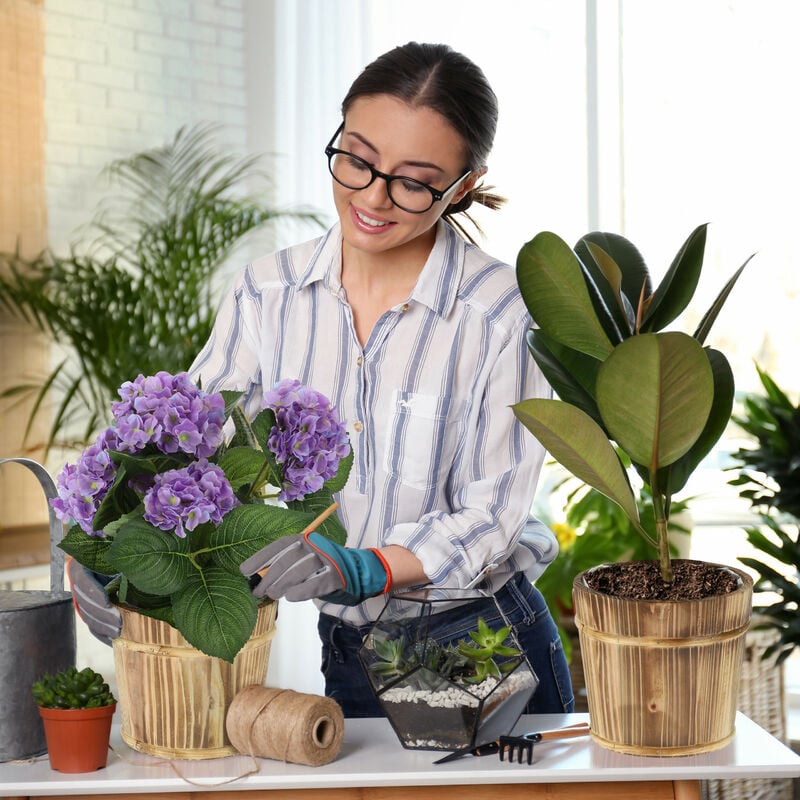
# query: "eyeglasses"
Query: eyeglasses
406,193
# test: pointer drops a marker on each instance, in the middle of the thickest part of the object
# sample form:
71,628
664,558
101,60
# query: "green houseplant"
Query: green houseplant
769,477
663,399
135,294
76,708
170,506
447,696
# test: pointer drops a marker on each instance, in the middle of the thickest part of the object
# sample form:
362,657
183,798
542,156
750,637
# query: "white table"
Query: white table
371,756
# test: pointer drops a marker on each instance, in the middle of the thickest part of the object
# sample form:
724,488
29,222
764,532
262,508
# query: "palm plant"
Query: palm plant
769,477
137,294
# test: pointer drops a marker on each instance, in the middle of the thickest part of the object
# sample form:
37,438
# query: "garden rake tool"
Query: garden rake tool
521,746
497,746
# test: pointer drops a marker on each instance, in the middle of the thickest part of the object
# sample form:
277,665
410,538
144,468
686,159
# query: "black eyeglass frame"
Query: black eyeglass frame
436,194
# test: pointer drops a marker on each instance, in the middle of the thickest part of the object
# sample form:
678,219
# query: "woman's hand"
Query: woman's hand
307,566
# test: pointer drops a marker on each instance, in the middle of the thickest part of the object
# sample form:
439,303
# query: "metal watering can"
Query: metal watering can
37,636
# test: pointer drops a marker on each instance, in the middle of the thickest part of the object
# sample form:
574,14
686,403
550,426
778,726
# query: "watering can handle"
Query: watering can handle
56,527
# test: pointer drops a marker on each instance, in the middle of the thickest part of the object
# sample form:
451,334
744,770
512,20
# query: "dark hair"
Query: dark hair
437,77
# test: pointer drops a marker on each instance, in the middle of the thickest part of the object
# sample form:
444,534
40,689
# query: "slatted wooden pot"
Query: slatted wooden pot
662,677
174,698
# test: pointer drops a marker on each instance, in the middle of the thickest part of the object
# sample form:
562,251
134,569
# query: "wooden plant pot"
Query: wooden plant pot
662,677
174,698
77,738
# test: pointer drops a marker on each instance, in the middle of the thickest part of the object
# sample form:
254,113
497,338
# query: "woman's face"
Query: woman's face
396,139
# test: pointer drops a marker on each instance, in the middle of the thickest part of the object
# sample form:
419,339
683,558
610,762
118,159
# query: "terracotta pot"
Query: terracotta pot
662,676
77,738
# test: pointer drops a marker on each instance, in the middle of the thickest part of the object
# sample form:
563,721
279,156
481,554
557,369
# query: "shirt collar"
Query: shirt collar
436,287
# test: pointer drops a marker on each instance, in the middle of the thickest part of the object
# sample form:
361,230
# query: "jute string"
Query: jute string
285,725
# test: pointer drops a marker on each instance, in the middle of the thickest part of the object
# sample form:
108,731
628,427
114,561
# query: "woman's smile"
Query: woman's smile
369,222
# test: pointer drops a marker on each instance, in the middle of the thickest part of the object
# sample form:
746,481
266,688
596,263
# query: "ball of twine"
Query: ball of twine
285,725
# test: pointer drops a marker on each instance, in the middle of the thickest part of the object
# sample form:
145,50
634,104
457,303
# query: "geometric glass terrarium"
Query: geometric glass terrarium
446,695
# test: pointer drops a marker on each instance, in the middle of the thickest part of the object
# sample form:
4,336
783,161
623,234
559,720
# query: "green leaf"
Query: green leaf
155,561
678,473
677,288
620,276
711,315
262,426
241,466
231,398
339,480
655,393
552,284
91,551
571,374
119,500
313,505
579,444
246,529
216,612
627,258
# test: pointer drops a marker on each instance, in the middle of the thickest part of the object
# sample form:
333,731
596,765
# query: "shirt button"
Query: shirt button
404,307
359,361
358,427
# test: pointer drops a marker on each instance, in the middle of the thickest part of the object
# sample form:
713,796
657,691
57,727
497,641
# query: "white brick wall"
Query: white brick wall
124,75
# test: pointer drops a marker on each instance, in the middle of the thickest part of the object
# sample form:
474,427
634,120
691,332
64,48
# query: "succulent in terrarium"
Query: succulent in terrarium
467,661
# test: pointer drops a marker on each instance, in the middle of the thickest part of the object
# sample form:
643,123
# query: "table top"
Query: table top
371,755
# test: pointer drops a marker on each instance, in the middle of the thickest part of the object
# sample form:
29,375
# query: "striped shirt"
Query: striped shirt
441,466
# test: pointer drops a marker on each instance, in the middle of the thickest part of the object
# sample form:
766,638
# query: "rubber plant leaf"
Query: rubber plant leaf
711,315
655,393
677,474
678,285
580,445
571,374
552,284
622,277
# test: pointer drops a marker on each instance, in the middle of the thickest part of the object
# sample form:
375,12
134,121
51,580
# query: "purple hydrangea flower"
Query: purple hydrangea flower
182,499
308,440
170,412
82,486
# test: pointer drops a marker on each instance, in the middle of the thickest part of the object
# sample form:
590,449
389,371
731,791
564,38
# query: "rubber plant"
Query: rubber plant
135,294
661,396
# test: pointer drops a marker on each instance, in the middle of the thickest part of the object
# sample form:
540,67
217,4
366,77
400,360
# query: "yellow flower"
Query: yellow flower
565,534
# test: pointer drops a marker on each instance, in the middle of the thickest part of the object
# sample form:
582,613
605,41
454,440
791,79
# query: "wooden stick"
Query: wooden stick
310,527
321,518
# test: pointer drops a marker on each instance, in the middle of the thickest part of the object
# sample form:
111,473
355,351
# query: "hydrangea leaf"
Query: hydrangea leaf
91,551
216,612
246,529
241,466
155,561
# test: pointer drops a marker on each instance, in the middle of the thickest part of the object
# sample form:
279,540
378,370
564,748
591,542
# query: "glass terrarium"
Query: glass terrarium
446,695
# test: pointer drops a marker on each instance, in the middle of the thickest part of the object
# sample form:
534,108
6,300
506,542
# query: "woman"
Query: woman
418,338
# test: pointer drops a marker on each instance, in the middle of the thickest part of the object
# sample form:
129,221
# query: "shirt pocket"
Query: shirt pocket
415,435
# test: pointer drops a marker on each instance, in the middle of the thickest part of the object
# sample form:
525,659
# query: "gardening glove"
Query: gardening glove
307,566
92,604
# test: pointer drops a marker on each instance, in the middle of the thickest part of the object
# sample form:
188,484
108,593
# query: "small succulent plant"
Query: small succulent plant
488,654
73,689
488,645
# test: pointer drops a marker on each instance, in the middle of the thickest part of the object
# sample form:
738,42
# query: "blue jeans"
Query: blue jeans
523,606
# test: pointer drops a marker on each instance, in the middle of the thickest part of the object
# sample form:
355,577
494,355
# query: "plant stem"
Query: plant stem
662,526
